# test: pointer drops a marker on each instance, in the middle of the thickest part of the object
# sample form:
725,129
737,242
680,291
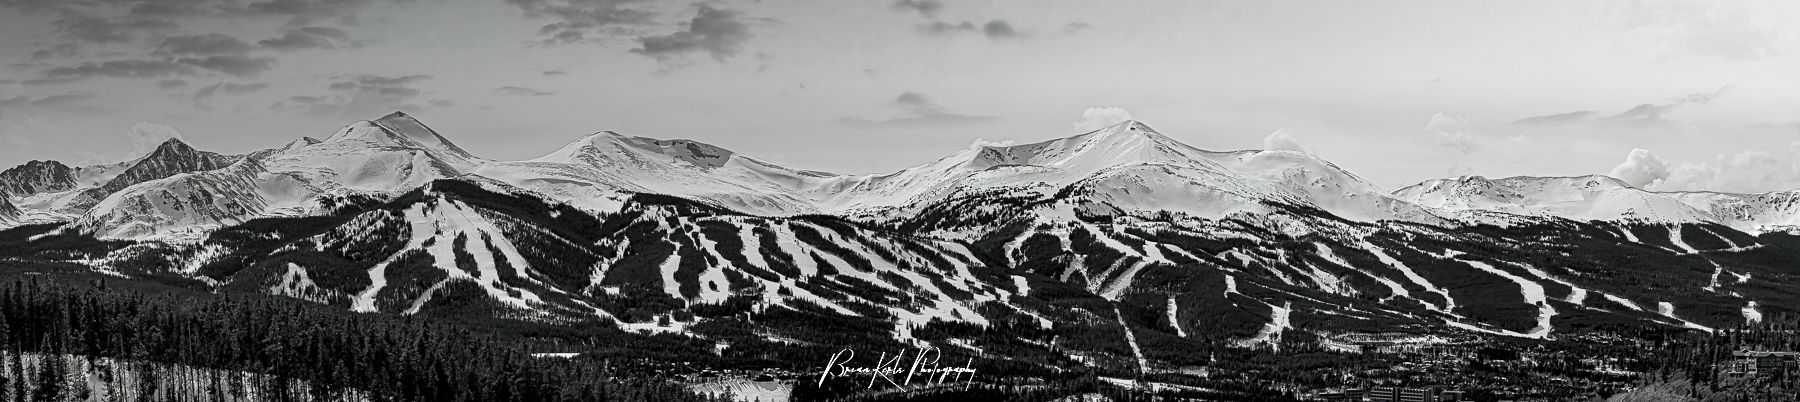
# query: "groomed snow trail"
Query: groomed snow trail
1532,291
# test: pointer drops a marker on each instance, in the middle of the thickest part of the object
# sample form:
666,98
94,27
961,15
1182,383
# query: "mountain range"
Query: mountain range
1119,247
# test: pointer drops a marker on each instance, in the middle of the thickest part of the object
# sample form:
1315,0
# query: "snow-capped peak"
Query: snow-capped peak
1590,197
401,130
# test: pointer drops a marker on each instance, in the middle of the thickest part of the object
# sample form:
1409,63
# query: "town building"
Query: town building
1754,363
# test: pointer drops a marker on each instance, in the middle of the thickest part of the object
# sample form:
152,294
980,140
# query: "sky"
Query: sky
1667,95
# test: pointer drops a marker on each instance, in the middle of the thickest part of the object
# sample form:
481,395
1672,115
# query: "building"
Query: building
1418,395
1348,395
1384,394
1412,394
1752,363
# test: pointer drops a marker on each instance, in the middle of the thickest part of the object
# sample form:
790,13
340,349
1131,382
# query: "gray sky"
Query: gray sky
1396,92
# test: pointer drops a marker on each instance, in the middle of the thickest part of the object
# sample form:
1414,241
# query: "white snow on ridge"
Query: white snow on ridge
1751,314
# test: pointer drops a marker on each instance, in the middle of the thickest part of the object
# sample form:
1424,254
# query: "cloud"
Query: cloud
994,29
171,83
203,98
309,38
1459,170
1750,171
521,91
555,73
714,31
72,102
91,29
1453,131
927,8
238,66
577,20
129,68
63,50
999,29
919,112
1646,115
1641,167
1095,118
361,95
201,45
301,12
145,137
1722,30
1074,27
940,28
1654,111
1282,138
1555,119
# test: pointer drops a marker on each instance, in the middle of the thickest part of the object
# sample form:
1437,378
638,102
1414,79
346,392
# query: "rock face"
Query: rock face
171,158
36,177
8,212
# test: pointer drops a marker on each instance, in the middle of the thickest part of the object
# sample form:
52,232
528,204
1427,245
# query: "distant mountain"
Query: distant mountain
1583,198
1152,253
8,213
1599,198
36,177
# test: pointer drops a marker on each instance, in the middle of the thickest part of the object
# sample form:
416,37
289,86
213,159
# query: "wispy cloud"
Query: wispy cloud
919,112
928,8
584,20
521,91
361,95
301,38
717,32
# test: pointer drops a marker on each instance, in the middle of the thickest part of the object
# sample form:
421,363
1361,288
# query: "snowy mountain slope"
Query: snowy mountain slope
1750,213
384,157
1581,198
461,248
599,171
9,214
36,177
1128,166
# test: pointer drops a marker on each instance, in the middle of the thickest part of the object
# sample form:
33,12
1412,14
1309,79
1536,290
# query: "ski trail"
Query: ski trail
1023,286
790,244
1577,295
1631,237
1729,245
1622,301
1712,285
1176,322
1741,278
752,246
422,229
1271,332
1449,303
1230,286
1119,284
1667,309
1675,237
714,286
1751,314
1532,291
1393,287
1132,340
